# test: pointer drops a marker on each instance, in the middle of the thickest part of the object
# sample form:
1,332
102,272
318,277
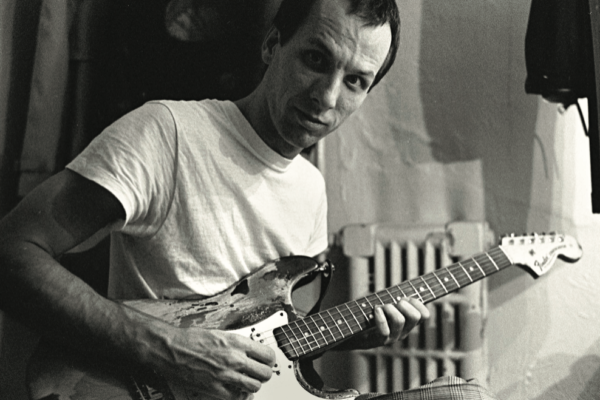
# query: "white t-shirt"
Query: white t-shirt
206,200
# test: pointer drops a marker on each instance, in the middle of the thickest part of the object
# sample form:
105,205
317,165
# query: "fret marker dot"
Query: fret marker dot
363,305
398,298
421,288
370,316
322,328
446,279
339,321
306,334
471,269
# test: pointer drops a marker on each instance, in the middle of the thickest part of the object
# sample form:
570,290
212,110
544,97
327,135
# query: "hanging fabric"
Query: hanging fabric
558,51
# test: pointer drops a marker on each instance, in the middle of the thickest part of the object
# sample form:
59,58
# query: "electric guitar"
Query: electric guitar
260,308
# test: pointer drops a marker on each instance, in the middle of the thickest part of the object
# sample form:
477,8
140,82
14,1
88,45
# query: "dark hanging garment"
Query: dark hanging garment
558,51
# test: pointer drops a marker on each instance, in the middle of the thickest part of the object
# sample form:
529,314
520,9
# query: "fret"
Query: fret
405,292
428,287
333,320
327,327
327,324
440,281
298,335
468,276
361,306
391,296
401,291
478,266
379,298
501,259
289,341
297,340
472,270
493,262
304,333
344,320
452,275
351,313
416,291
319,329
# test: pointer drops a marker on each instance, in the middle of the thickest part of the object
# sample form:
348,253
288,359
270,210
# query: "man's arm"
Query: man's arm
36,290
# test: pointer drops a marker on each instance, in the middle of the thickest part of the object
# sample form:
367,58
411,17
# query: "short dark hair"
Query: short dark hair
292,13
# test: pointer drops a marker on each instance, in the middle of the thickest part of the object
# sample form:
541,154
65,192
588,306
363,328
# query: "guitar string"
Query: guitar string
269,337
480,265
314,336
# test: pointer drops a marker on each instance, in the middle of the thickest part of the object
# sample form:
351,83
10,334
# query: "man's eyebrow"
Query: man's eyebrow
324,48
320,44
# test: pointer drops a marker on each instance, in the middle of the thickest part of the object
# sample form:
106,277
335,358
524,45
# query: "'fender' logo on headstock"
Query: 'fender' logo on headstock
546,259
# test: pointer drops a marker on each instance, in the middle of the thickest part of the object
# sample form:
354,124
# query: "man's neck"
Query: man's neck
256,110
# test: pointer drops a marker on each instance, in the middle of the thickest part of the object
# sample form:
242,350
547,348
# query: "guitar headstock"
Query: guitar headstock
538,252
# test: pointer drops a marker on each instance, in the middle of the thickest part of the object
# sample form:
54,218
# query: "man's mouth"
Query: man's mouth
309,121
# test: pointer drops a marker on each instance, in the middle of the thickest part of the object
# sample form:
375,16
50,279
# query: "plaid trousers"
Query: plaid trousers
444,388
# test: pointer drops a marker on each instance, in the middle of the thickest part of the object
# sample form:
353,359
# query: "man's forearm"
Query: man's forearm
38,292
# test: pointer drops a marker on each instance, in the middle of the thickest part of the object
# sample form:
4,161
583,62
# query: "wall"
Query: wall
451,135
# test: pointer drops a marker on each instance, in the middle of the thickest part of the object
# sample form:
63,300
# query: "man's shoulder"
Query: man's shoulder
190,114
191,105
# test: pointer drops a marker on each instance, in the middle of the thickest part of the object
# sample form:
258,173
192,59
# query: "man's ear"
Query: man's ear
269,44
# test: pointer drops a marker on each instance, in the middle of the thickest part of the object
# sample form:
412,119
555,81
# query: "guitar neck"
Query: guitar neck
306,336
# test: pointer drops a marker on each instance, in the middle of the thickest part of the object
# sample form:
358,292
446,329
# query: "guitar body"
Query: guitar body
258,303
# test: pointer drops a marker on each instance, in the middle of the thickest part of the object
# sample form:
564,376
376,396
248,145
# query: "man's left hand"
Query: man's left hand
391,322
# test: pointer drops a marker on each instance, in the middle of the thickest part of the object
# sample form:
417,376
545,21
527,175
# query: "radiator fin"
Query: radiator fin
450,342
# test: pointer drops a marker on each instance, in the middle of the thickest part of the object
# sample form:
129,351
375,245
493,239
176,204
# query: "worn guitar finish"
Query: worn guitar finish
248,302
260,307
264,293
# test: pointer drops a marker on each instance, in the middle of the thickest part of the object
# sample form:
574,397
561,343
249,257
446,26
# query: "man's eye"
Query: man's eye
355,81
314,59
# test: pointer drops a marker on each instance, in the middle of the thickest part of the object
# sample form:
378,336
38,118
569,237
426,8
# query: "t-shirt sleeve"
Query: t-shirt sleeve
135,159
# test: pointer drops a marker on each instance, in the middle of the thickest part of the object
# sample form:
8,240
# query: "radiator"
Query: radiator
452,341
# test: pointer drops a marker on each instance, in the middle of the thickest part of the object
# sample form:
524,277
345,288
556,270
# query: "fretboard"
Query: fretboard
308,335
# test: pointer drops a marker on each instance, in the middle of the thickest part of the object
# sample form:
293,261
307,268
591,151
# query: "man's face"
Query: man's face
321,75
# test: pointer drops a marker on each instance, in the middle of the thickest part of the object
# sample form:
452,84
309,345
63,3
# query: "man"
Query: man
197,195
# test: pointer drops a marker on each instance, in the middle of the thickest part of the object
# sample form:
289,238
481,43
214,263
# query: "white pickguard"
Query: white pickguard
283,382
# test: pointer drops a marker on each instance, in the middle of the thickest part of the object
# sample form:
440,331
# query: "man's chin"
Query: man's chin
303,138
309,142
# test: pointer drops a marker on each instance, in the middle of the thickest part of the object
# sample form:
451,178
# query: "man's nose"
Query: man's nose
326,91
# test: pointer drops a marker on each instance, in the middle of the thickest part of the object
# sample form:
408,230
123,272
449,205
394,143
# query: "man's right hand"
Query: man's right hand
218,364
